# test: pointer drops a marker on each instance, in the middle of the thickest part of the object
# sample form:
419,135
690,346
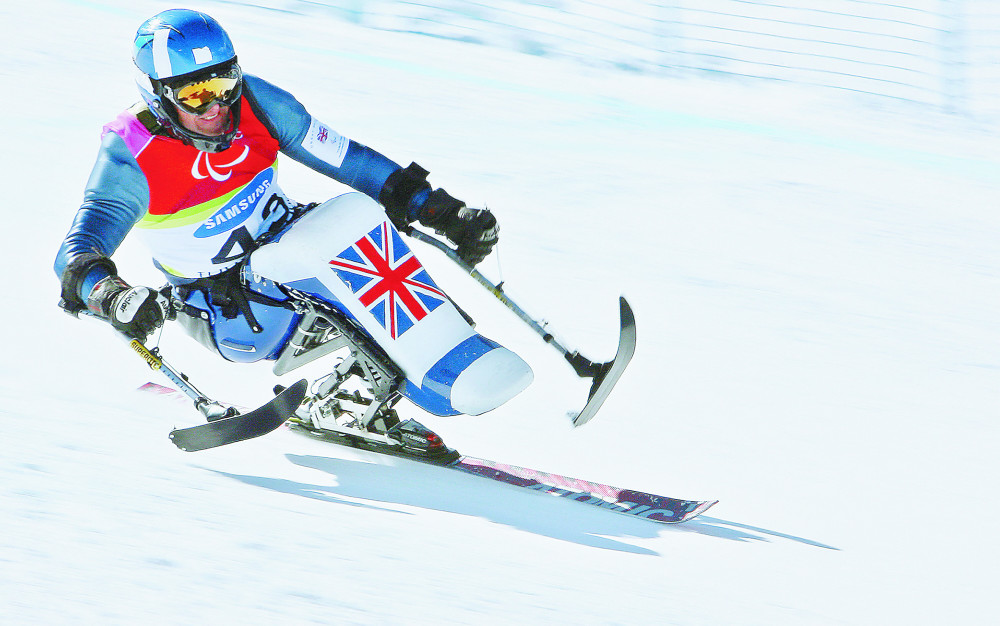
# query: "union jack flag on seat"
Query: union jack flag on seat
388,280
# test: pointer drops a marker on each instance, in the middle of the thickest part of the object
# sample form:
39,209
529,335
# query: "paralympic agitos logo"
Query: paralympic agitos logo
213,171
239,208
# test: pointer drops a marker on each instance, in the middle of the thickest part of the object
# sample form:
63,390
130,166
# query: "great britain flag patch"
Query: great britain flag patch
388,280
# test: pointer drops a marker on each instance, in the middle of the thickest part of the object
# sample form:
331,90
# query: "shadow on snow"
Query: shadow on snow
735,531
410,483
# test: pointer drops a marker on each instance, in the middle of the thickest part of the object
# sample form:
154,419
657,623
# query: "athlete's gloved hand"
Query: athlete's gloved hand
407,196
135,311
480,233
473,231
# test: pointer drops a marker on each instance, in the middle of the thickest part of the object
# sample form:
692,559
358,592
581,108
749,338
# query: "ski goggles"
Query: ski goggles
198,96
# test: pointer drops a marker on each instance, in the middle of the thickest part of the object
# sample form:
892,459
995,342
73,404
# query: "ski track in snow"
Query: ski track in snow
814,279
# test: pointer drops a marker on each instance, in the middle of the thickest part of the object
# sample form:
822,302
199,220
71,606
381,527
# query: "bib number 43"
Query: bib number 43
240,242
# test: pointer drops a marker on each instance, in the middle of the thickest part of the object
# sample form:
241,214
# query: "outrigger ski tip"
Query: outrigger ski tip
242,426
605,375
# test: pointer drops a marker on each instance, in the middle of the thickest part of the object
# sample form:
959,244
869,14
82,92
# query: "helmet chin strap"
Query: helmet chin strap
213,144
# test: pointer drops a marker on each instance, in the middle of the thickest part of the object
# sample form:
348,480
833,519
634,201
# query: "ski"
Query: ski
241,426
630,502
411,440
433,451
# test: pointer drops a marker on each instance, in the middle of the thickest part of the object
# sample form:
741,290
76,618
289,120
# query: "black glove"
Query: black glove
478,232
473,231
135,311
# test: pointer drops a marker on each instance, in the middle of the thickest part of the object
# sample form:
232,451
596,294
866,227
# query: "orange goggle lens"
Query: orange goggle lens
198,97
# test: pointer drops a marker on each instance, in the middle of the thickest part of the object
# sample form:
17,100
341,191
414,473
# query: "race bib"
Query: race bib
211,237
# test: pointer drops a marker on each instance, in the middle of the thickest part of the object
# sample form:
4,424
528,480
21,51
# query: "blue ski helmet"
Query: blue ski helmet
186,59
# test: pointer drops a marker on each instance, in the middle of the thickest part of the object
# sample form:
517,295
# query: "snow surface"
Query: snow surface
815,280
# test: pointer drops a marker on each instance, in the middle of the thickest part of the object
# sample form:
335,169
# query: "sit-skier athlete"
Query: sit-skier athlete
192,169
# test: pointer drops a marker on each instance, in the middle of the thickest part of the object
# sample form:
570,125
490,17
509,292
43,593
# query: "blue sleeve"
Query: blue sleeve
116,196
363,169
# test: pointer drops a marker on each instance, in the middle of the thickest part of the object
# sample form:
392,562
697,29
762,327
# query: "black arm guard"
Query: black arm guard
73,275
399,189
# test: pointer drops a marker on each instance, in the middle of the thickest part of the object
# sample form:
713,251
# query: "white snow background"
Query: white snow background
815,282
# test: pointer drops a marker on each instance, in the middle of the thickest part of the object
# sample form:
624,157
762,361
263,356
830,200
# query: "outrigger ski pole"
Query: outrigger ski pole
225,424
604,375
211,409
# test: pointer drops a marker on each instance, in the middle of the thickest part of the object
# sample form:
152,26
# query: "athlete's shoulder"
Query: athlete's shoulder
263,92
136,126
278,109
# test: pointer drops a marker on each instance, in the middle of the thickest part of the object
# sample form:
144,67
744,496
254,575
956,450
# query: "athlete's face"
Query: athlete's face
211,123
